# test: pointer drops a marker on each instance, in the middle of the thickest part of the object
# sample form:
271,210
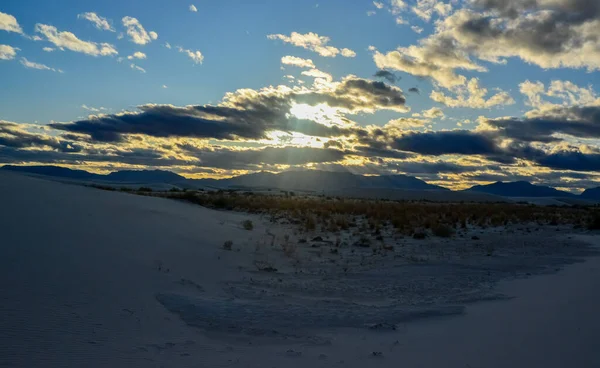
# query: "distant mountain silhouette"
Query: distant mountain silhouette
314,180
311,180
145,176
141,176
519,189
592,194
56,171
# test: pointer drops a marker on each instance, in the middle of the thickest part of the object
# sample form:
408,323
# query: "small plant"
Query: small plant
419,235
289,249
145,189
264,266
248,225
443,231
594,222
310,223
227,245
363,242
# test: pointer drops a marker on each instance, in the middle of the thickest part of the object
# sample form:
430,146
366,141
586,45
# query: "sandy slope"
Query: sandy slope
103,279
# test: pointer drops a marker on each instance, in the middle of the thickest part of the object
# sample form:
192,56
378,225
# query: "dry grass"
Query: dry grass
337,214
312,213
248,225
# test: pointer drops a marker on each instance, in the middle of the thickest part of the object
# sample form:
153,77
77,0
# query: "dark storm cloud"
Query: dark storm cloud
573,10
571,160
414,90
578,121
242,115
387,75
551,34
462,142
12,136
244,159
414,167
143,157
332,143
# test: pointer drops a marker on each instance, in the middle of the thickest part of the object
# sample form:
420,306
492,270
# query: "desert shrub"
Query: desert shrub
309,223
363,241
248,225
334,213
227,245
144,189
594,222
420,235
442,230
289,249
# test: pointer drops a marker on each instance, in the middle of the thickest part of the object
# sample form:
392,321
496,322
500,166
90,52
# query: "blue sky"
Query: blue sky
468,81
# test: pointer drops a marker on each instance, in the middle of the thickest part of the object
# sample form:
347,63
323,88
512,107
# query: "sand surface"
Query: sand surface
105,279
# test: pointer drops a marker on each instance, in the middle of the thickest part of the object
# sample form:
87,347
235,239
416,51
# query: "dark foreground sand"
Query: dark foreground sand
101,279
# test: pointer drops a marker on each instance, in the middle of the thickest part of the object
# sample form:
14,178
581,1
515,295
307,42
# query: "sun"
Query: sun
292,139
321,113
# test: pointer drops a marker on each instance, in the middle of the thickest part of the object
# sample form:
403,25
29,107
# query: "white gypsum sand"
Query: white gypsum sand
106,279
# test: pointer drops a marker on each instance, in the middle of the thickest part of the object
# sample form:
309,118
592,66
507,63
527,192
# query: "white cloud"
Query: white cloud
7,52
31,65
196,56
348,53
164,86
296,61
136,31
434,112
417,29
168,45
93,109
193,8
425,9
558,94
137,55
316,73
472,96
434,57
67,40
314,42
49,49
378,5
99,22
136,67
398,126
9,23
554,34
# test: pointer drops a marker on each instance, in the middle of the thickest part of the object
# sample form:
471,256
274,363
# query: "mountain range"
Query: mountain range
312,180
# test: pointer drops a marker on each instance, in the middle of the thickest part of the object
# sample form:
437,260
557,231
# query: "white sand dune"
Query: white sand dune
90,278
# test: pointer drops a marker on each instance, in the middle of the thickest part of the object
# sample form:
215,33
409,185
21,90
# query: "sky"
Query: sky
454,92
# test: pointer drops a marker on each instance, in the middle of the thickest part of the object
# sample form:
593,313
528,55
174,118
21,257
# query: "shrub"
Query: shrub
594,222
144,189
289,249
248,225
420,235
310,223
227,245
443,231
